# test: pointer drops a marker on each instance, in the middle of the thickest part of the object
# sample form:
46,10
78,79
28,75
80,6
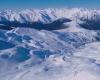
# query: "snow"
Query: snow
71,52
49,15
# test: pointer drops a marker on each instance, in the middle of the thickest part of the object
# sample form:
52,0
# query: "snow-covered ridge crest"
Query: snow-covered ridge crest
38,18
48,15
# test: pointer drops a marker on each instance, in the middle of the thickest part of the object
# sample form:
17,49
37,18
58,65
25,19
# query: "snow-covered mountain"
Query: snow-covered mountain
49,17
50,44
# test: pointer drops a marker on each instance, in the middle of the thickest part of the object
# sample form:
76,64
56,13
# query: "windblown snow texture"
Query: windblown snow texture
50,44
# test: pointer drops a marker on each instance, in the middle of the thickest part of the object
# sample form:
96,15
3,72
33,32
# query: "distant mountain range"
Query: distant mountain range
50,44
49,17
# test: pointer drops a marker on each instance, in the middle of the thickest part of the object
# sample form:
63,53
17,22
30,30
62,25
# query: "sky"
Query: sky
23,4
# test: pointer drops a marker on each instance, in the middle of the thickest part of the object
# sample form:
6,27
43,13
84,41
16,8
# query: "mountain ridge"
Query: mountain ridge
50,44
50,17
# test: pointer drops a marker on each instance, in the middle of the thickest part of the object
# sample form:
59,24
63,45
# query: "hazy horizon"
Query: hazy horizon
28,4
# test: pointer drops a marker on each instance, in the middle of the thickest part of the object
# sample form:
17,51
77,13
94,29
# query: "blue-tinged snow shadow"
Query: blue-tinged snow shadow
5,45
55,25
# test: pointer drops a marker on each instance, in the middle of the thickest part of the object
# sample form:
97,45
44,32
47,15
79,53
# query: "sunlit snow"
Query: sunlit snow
50,44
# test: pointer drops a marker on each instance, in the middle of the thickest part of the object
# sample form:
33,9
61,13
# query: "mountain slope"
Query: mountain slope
50,44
